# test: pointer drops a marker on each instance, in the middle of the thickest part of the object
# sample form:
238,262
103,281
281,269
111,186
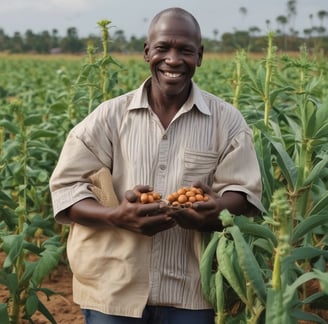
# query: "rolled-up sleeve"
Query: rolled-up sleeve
83,153
238,169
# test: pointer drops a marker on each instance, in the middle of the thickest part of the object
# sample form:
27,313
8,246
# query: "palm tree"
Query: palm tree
283,20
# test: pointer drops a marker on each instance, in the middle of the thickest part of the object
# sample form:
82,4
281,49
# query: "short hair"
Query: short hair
177,13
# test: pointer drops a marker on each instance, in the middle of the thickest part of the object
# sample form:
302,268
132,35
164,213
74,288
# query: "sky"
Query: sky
133,16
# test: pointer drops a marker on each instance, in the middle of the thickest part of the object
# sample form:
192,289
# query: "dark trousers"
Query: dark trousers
154,315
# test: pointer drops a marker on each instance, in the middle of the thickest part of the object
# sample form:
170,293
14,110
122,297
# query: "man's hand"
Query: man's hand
204,216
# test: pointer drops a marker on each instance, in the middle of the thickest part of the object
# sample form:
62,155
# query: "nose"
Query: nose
173,57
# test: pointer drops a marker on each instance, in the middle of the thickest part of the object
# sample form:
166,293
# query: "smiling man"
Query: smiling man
139,263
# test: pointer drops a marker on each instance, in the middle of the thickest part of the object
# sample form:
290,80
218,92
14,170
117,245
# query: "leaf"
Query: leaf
304,253
33,119
314,173
43,310
10,126
9,280
59,107
307,225
41,133
308,317
4,317
31,304
323,278
321,206
12,245
49,259
255,230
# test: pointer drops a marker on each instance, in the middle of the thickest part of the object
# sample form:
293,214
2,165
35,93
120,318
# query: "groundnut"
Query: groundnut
186,196
149,197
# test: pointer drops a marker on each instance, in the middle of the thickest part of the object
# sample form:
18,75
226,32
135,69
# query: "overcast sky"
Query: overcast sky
132,16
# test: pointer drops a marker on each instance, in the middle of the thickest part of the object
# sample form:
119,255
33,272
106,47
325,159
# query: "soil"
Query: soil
63,309
61,304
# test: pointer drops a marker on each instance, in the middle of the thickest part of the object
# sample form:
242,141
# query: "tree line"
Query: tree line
315,38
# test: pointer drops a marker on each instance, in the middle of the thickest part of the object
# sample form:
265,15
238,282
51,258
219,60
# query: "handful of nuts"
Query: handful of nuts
149,197
186,196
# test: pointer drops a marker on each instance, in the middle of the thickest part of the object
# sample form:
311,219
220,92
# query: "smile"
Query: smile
172,75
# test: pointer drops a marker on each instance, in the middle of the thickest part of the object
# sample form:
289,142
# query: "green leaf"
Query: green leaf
59,107
33,119
40,133
307,225
255,230
4,317
31,304
10,126
12,245
321,206
316,170
323,278
49,260
43,310
9,280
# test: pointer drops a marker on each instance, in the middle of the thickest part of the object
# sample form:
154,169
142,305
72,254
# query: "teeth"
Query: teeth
172,75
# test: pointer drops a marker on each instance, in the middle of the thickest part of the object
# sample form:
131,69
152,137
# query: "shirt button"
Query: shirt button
162,166
164,137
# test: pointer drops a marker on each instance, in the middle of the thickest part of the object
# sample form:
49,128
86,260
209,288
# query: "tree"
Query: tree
71,43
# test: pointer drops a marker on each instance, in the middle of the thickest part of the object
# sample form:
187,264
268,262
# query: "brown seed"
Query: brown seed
190,193
199,197
181,191
150,198
170,198
182,199
192,199
144,198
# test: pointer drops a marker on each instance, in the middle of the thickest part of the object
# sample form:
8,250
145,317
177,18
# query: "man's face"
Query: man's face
173,51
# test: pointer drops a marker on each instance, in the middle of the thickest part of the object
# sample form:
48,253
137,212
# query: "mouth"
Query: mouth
172,75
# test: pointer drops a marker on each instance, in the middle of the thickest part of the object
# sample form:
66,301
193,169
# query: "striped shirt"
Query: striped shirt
208,140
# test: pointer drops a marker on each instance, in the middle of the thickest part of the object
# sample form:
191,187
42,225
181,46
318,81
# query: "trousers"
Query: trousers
153,315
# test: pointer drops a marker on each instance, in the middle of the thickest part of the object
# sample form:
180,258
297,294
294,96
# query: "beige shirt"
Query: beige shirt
119,272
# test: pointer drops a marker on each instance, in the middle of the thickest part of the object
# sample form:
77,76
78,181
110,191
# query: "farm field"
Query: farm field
284,98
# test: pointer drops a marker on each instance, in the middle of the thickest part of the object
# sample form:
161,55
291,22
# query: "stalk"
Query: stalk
21,213
239,60
91,56
269,68
105,41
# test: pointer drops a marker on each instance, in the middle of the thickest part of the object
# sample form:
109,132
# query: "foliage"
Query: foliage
268,262
285,101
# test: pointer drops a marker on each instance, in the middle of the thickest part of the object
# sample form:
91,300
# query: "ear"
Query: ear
146,51
200,55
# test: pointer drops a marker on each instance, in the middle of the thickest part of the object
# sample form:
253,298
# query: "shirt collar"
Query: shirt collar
140,99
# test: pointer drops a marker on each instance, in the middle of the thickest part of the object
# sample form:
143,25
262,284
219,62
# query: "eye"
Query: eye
161,48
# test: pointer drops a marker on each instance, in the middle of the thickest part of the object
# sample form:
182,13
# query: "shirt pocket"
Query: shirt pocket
199,166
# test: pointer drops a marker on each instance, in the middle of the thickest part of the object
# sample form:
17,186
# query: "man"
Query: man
139,263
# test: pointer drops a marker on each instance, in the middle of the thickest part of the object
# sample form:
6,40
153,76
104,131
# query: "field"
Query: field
284,98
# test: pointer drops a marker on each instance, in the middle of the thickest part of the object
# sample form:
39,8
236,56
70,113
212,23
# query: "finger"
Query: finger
131,196
157,224
142,188
152,209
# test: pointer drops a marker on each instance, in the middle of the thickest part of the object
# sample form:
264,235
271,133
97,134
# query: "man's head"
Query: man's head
173,49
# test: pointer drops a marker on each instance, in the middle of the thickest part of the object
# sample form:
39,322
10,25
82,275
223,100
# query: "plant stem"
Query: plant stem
268,75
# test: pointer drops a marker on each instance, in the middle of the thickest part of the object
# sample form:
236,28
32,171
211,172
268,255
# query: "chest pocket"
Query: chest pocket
199,166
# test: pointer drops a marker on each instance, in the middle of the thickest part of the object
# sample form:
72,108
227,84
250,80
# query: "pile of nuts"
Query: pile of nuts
186,196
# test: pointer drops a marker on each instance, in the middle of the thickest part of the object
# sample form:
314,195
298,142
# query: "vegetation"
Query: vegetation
252,39
266,264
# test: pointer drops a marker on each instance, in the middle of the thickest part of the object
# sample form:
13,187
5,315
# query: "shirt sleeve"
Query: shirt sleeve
238,169
86,150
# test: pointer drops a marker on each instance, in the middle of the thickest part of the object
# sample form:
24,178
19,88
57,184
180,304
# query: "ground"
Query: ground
60,305
63,309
